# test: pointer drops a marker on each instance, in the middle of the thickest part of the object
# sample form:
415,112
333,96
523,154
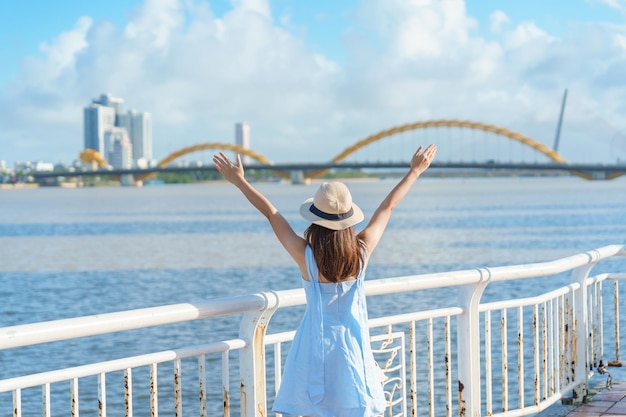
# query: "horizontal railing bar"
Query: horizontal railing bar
528,301
543,405
606,277
271,339
34,380
597,278
274,338
416,316
52,331
505,273
523,302
290,298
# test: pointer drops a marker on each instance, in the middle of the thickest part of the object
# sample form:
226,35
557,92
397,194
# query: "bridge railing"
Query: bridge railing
502,357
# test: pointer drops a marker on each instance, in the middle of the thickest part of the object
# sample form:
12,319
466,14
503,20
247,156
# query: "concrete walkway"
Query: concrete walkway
603,401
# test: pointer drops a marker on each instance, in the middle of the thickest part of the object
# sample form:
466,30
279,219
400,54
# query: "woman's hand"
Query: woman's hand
231,172
421,160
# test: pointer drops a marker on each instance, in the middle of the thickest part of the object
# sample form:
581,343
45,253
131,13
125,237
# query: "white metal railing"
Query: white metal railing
425,355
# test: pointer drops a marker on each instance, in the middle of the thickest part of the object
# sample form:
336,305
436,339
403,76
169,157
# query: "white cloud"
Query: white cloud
498,19
261,7
418,28
155,21
619,5
524,34
198,74
59,55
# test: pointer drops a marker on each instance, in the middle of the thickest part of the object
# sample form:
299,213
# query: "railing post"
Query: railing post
580,367
468,346
252,358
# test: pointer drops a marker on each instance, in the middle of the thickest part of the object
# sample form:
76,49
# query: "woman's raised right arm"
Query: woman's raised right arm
233,172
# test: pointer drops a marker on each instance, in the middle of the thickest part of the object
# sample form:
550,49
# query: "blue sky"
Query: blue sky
302,72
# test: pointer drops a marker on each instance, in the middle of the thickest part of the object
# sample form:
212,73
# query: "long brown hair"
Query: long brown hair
339,254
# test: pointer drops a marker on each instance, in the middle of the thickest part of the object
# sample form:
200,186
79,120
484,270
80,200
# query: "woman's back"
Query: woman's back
330,369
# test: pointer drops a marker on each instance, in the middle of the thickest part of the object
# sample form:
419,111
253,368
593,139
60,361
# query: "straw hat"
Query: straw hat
332,207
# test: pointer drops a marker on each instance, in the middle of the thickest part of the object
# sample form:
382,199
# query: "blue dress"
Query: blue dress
330,369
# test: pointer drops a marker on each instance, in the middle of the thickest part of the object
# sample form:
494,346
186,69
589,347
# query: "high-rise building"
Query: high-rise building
97,120
109,101
106,113
139,127
242,138
120,154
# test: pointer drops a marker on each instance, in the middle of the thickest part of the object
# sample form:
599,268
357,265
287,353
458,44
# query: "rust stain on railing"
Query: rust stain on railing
462,409
568,341
202,385
574,350
226,402
562,341
73,398
177,391
448,373
616,362
243,396
412,370
505,364
127,392
544,351
536,384
154,404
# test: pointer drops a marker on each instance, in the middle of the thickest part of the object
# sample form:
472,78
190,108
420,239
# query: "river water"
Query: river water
75,252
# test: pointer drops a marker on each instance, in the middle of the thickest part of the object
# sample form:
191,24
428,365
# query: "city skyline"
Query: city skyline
122,137
315,78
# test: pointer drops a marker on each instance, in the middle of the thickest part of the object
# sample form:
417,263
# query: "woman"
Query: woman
330,369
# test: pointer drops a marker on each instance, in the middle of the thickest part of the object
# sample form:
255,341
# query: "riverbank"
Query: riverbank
18,186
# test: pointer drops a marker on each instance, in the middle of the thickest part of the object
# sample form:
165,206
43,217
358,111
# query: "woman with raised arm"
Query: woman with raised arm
330,369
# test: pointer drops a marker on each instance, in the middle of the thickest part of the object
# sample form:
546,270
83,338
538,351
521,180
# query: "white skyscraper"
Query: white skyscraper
120,153
97,120
139,127
104,114
242,138
110,101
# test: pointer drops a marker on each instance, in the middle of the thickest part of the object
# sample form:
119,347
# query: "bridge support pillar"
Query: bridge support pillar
297,177
598,175
129,179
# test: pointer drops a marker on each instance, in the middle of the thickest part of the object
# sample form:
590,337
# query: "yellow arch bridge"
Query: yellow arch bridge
94,157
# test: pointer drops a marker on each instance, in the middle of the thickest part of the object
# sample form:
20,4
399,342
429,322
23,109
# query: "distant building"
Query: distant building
97,120
139,128
120,154
43,166
108,100
105,115
242,138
